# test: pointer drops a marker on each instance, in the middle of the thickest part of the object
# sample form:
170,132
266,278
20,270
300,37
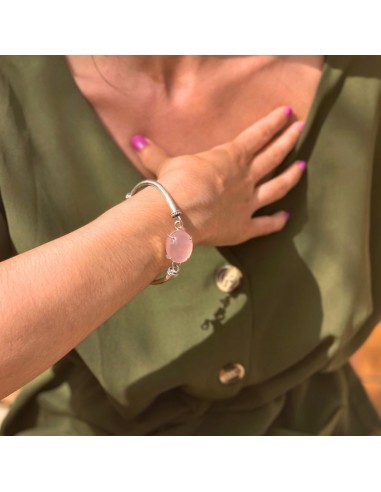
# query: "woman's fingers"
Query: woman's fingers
276,188
150,154
251,140
267,224
275,153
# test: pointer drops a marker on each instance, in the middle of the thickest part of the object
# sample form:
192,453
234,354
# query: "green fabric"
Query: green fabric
310,295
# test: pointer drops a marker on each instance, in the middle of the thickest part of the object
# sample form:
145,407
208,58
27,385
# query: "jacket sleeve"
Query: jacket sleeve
6,247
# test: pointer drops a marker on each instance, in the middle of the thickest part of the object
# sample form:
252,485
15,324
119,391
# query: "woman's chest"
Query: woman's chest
208,110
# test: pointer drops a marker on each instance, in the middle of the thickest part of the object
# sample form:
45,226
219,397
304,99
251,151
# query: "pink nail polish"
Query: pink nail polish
287,214
138,142
302,165
288,111
301,126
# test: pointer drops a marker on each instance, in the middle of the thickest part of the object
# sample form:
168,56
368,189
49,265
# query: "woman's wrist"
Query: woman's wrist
188,204
146,220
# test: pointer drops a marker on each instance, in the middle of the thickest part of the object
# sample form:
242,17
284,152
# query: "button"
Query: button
228,278
231,373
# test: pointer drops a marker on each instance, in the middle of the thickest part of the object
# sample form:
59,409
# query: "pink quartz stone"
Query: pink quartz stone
179,246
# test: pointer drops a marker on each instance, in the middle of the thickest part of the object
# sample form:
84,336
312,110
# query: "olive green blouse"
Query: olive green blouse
186,358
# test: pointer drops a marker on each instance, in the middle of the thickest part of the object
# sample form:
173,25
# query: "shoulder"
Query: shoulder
25,75
356,66
18,69
14,72
25,83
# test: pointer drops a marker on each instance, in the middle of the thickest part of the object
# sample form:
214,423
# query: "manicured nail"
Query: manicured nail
302,165
287,214
301,126
288,111
138,142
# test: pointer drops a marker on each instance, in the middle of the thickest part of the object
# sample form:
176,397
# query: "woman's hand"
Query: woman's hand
219,190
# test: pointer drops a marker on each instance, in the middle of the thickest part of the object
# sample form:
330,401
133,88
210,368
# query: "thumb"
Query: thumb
150,155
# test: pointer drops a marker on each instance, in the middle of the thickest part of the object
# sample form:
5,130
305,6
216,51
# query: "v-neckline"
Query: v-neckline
103,133
134,174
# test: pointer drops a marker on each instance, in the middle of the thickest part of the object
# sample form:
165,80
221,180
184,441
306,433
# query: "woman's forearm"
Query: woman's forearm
53,296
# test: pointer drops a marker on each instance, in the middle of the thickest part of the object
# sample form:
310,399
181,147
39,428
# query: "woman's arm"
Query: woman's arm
53,296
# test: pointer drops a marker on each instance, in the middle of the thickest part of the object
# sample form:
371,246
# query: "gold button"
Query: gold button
228,278
232,373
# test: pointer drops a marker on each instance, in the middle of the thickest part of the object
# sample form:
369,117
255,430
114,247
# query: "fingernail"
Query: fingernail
138,142
287,214
302,165
301,126
288,111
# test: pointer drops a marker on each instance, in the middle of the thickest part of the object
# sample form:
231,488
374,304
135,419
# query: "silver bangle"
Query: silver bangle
179,244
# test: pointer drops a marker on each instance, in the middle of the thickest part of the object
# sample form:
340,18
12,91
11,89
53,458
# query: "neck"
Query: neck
159,68
167,71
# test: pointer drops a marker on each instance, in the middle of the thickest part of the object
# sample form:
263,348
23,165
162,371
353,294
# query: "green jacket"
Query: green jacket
185,357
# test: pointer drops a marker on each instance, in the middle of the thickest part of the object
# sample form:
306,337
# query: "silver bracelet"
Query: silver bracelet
179,244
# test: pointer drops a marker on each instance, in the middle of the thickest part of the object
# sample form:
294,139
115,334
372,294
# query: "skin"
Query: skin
210,100
106,263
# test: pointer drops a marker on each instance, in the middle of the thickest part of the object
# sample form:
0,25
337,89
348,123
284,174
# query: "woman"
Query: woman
223,349
219,189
